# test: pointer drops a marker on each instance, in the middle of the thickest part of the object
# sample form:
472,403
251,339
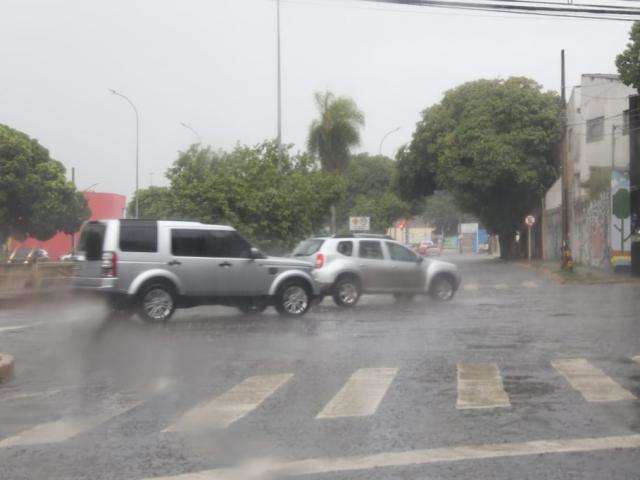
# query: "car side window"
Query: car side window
345,248
227,244
370,249
188,243
138,236
400,253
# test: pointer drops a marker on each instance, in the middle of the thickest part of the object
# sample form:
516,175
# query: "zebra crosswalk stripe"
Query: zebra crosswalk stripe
232,405
361,394
480,386
590,381
63,429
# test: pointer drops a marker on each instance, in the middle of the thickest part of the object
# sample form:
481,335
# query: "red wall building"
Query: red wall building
102,205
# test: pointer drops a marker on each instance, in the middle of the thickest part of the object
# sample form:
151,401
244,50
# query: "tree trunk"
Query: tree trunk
507,249
333,219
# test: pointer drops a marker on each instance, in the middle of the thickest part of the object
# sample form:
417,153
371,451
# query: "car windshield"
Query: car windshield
308,247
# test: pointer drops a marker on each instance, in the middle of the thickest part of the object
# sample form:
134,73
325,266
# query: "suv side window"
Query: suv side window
400,253
227,244
370,249
138,236
209,243
345,248
188,243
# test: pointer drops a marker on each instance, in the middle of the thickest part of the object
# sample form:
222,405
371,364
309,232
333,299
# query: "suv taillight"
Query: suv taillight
109,264
319,260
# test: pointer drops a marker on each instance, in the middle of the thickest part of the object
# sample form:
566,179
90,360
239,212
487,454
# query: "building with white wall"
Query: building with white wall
597,137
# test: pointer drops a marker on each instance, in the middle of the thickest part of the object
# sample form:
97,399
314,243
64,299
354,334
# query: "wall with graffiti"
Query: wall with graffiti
552,234
620,229
589,234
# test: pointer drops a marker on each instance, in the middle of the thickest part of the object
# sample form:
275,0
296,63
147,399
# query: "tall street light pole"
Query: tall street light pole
279,135
137,143
385,137
193,130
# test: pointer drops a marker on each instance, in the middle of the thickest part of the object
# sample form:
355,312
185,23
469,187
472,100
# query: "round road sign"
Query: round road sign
530,220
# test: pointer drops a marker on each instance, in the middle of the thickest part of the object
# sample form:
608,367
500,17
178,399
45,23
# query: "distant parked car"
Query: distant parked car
28,256
427,248
70,257
155,267
347,266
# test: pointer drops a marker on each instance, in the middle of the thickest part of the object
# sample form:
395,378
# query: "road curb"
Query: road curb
604,279
6,367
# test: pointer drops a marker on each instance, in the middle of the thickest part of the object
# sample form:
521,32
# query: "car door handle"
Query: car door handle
225,264
174,262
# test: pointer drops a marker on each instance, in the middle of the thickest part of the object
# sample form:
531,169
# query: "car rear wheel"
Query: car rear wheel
157,302
293,299
442,288
346,292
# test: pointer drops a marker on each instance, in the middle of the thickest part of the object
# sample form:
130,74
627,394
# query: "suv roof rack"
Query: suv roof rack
364,235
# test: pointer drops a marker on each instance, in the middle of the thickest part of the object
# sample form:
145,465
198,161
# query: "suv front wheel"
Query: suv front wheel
293,298
157,302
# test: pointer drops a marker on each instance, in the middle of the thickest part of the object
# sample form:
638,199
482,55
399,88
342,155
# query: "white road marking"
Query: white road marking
472,287
13,328
501,286
63,429
361,395
232,405
268,468
480,386
530,284
590,381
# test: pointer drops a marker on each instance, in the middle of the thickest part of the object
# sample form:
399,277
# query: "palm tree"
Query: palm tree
334,133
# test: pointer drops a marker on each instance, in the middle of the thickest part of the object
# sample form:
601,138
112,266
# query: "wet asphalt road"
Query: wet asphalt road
92,398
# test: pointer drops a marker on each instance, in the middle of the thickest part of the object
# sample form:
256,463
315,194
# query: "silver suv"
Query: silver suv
155,266
346,266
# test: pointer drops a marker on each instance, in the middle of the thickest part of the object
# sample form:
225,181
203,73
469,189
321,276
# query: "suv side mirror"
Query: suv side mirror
255,253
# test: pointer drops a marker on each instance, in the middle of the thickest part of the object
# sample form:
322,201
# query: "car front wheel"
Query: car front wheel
157,302
442,288
293,299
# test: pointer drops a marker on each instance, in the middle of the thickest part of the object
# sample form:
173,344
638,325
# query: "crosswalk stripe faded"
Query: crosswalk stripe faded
590,381
361,394
480,386
271,468
232,405
64,429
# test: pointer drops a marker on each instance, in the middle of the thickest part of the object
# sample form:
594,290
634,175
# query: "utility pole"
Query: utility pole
566,257
279,135
73,235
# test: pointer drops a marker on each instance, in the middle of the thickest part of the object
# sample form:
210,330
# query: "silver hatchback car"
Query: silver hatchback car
346,266
156,266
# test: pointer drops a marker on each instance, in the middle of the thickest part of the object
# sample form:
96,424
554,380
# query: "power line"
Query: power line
605,10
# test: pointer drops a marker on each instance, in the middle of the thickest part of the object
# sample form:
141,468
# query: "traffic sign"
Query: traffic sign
359,224
530,220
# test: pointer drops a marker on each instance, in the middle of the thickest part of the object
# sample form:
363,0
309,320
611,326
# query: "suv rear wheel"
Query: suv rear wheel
157,302
347,291
293,298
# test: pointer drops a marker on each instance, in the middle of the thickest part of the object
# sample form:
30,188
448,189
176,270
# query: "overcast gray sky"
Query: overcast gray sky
211,64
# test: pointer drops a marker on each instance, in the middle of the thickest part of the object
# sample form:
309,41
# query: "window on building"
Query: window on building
595,129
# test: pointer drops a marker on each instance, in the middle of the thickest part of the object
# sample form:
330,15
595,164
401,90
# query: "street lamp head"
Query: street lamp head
112,91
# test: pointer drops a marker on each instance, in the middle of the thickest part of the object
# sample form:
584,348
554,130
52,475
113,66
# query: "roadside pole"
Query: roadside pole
530,220
566,257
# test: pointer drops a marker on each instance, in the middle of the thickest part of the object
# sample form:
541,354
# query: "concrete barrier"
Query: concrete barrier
6,367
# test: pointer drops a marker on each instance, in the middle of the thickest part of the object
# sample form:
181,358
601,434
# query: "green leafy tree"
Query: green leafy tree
35,197
628,62
154,203
332,136
274,199
382,209
442,212
491,144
